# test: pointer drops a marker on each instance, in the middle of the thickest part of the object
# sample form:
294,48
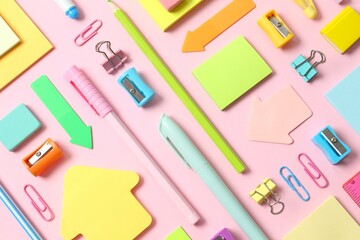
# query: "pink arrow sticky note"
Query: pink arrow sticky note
273,120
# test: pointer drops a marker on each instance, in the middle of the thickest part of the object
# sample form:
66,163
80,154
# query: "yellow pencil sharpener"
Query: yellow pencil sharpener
275,28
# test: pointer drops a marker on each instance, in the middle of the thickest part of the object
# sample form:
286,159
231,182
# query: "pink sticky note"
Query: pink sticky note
170,4
273,120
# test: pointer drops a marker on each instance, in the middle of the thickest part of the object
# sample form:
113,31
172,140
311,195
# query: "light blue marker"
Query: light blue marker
181,144
69,8
15,211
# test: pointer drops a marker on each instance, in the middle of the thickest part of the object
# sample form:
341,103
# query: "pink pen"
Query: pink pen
94,98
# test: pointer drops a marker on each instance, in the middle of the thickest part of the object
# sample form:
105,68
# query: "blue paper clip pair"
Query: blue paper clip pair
303,66
305,196
136,87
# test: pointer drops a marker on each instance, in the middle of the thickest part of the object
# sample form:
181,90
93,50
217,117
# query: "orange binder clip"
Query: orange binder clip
42,157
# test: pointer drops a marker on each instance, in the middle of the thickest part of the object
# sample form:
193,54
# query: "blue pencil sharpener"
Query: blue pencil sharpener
334,149
139,91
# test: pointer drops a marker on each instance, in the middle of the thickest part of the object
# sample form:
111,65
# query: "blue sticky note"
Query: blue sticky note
17,126
345,97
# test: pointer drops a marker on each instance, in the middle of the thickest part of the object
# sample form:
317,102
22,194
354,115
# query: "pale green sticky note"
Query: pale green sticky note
178,234
164,18
231,72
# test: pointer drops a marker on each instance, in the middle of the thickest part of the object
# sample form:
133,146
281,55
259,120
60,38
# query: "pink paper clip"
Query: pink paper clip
89,32
41,210
315,177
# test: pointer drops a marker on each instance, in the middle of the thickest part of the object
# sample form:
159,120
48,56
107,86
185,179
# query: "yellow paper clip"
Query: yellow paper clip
265,192
308,7
275,28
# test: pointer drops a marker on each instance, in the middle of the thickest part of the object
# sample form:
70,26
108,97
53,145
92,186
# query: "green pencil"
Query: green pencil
176,86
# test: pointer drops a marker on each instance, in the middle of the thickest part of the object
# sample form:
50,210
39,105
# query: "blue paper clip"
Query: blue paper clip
303,66
334,149
288,178
135,86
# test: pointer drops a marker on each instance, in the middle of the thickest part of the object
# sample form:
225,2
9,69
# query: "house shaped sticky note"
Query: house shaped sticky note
231,72
98,204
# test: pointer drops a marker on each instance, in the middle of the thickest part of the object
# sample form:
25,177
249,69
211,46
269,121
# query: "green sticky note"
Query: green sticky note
178,234
78,131
231,72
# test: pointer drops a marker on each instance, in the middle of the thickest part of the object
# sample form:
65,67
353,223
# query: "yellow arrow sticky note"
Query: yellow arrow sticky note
98,204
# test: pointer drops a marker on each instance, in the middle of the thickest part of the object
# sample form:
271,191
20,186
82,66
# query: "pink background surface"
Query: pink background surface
263,159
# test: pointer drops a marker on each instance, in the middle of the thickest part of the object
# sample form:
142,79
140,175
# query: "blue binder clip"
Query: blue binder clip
303,66
334,149
135,86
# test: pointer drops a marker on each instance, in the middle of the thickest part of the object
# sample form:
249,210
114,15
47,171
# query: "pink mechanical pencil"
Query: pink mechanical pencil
94,98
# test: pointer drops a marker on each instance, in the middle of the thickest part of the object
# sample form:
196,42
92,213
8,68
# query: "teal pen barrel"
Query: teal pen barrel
191,155
230,203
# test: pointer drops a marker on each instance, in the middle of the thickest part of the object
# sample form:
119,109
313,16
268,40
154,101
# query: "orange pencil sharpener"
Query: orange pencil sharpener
42,157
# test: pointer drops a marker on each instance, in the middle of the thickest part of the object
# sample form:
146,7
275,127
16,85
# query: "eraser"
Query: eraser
17,126
170,4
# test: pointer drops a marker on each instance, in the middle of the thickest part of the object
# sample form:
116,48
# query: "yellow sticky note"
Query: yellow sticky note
329,222
232,72
98,204
8,38
178,234
32,47
342,32
164,18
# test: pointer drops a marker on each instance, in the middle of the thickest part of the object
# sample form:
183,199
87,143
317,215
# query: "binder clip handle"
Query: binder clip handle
115,61
314,65
108,46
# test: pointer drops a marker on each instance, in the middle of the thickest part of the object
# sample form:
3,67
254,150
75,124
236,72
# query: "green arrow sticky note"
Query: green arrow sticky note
79,133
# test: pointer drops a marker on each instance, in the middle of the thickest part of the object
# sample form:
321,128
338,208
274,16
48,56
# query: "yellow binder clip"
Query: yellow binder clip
275,28
308,7
265,192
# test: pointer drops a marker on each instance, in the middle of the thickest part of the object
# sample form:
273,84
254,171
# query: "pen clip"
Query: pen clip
88,91
305,160
288,178
82,95
41,209
166,128
177,151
